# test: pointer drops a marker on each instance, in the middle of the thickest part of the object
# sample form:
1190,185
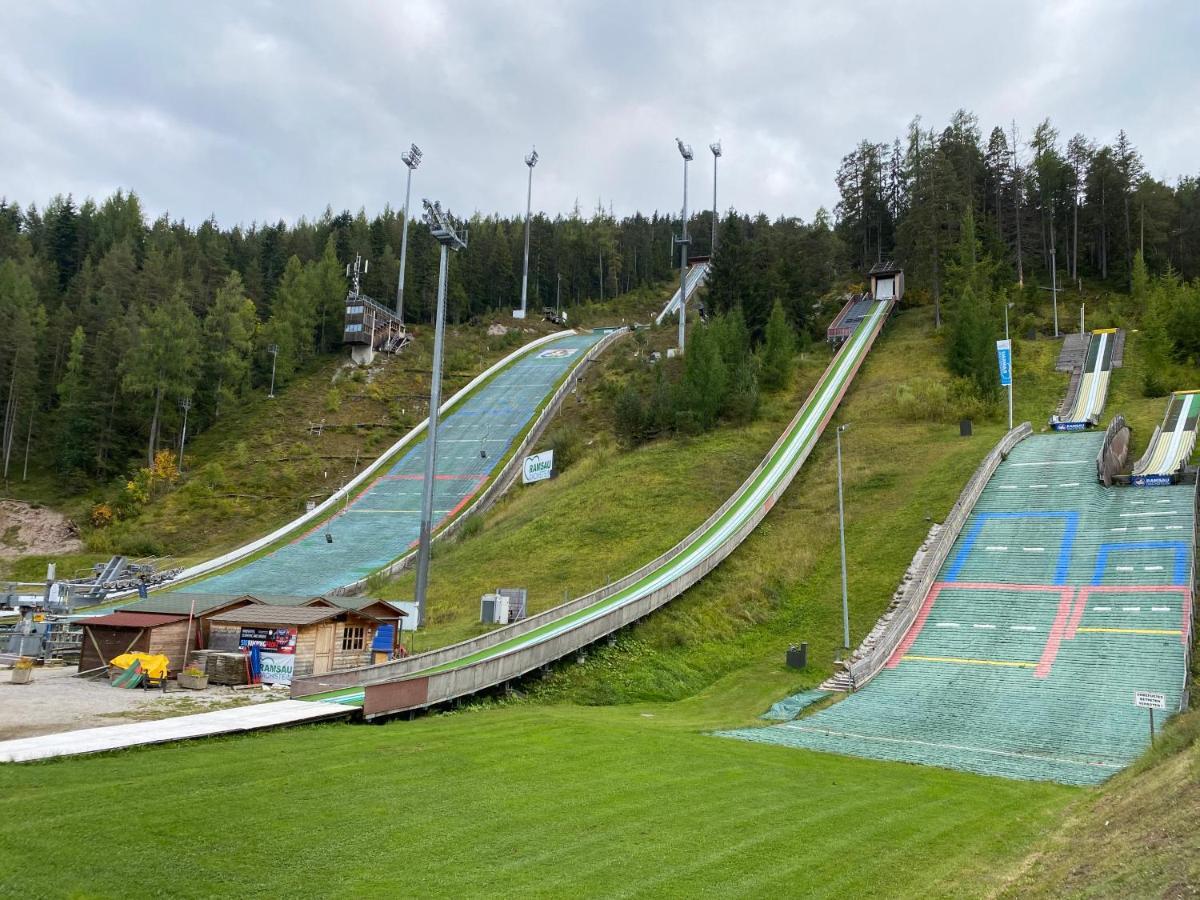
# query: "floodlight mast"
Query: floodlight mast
531,161
442,227
716,152
685,150
411,158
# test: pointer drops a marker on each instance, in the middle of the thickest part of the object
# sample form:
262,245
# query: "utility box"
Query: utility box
797,657
493,609
964,428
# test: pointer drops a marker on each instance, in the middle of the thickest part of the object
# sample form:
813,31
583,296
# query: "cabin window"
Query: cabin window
352,637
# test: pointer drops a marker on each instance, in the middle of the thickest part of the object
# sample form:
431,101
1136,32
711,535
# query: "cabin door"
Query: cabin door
323,660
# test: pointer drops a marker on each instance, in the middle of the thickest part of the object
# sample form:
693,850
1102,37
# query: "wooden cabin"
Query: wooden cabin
389,635
107,637
318,638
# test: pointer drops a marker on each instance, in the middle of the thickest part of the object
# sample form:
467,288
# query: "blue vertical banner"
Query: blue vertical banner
1004,358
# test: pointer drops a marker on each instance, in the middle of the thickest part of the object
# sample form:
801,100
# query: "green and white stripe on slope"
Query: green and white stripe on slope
1094,387
800,439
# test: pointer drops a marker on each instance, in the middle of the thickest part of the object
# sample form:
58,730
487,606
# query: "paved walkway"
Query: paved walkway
179,728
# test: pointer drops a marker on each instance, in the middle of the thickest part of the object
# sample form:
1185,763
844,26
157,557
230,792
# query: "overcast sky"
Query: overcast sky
260,111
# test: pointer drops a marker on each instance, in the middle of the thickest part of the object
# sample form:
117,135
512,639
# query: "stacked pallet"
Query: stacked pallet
221,667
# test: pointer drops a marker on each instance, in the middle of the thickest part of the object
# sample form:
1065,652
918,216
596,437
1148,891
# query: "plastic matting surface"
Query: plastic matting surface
383,521
1058,601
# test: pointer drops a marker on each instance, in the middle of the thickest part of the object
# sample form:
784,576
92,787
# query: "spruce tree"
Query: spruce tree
779,351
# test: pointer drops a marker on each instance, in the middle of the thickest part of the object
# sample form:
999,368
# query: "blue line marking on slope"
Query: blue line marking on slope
1071,527
1180,548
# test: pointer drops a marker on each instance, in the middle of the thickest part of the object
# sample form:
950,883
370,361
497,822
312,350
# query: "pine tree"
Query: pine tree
228,332
705,381
164,361
76,422
779,351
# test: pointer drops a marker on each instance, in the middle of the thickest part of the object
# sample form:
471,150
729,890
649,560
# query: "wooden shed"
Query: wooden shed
106,637
389,636
296,640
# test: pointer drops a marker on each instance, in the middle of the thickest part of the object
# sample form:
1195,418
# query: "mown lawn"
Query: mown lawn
524,800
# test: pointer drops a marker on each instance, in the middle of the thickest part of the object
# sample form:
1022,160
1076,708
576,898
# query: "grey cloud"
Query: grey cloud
256,111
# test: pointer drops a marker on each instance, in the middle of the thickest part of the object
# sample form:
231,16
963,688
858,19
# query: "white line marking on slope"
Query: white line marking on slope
1160,609
995,548
1101,609
1131,609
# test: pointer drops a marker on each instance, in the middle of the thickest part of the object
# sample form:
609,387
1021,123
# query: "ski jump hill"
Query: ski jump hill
1046,602
507,653
372,524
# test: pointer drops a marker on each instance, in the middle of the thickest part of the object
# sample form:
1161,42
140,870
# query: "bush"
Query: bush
937,400
567,445
102,515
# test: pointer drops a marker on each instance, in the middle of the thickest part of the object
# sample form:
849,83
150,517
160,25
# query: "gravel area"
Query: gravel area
56,701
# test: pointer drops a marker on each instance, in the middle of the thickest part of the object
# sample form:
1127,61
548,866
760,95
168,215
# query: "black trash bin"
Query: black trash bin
797,657
964,428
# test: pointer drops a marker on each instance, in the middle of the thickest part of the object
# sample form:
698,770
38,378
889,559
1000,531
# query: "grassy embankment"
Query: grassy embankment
255,469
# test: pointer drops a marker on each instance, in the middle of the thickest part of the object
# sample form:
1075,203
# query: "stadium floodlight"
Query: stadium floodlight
685,150
442,227
411,158
531,160
716,152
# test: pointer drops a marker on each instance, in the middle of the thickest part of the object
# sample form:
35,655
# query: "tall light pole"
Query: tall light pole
185,404
842,535
716,152
531,161
411,158
441,226
273,349
1054,288
685,150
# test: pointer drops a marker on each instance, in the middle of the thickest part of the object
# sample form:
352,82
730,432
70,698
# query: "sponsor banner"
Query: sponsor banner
1152,480
558,353
538,467
1004,359
277,668
270,640
1070,426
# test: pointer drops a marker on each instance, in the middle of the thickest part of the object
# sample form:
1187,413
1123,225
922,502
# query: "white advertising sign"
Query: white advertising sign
277,668
538,467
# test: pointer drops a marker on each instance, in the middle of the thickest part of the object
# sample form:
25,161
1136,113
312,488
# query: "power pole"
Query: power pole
442,227
842,536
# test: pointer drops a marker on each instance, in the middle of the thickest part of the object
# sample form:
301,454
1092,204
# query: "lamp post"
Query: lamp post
842,536
530,161
411,158
273,349
685,150
442,227
185,404
1054,288
716,152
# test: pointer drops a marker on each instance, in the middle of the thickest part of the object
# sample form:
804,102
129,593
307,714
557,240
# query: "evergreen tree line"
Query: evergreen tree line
719,381
1092,204
108,321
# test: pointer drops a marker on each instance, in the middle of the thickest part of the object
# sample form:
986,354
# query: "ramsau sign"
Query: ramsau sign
538,467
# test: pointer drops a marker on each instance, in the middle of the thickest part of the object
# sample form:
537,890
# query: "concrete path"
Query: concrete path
179,728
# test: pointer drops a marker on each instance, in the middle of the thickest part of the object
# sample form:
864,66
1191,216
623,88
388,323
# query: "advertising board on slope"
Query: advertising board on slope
277,648
1151,480
538,467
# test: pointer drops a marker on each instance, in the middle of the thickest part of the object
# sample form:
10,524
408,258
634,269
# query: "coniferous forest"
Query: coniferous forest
108,319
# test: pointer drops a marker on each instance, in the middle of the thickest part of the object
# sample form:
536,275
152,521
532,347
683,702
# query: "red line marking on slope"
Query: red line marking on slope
914,630
1057,633
1077,615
